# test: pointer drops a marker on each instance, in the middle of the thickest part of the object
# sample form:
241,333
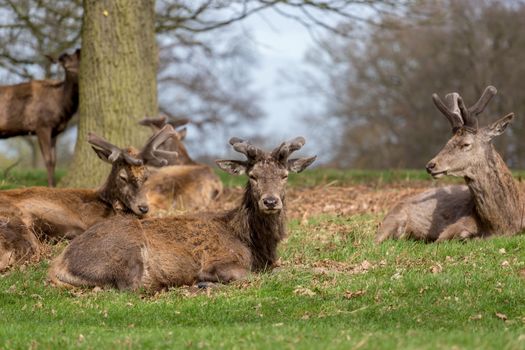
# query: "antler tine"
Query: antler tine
149,153
160,120
453,114
469,121
176,122
286,148
244,147
488,94
116,152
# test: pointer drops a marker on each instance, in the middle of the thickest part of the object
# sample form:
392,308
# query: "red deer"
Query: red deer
42,108
489,204
185,185
30,215
202,248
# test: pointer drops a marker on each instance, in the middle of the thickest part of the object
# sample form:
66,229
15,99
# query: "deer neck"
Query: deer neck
261,232
70,95
106,195
496,195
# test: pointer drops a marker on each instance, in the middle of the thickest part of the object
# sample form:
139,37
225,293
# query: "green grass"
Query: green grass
335,289
27,177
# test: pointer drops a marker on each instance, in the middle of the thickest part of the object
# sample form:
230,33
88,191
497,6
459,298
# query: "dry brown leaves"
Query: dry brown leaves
351,295
304,203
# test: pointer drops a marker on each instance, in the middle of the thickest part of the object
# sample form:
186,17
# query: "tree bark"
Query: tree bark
117,83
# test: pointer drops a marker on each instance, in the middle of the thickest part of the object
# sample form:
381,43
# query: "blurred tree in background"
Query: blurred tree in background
202,63
377,80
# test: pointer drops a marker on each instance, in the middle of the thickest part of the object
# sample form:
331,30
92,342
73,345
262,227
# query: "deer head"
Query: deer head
123,188
71,63
469,145
175,143
267,171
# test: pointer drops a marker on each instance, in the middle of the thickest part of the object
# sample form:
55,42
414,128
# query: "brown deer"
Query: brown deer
489,204
30,215
42,108
156,253
185,184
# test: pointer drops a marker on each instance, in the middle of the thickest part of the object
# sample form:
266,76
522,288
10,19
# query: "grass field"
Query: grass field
335,289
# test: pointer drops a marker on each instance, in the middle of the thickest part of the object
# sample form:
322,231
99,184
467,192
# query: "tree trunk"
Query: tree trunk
117,83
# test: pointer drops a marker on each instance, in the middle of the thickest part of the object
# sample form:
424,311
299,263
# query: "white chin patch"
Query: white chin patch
271,211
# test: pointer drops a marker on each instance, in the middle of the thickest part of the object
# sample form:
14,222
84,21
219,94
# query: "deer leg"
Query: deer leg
393,226
222,273
47,148
453,231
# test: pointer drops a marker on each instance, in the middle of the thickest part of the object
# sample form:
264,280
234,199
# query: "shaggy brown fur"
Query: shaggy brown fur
42,108
155,253
489,204
28,216
185,185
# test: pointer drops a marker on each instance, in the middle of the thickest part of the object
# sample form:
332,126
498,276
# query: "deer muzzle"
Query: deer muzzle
270,204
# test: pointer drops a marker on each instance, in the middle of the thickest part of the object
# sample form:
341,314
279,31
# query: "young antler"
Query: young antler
282,152
162,120
250,151
458,114
488,94
157,122
111,151
452,111
150,153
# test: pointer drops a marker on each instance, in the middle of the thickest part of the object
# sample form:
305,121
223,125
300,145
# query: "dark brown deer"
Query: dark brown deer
489,204
31,215
42,108
156,253
184,185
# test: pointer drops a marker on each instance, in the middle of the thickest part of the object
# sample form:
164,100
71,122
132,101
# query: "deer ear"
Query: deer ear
102,154
297,165
182,133
498,127
233,167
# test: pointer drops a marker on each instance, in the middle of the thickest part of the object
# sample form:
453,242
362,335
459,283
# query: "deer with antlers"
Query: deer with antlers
207,248
42,108
184,184
489,204
28,216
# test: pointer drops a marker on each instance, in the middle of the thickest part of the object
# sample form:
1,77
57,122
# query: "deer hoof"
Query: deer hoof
205,285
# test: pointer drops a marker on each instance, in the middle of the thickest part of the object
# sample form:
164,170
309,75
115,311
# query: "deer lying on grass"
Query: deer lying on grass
30,215
156,253
489,204
41,108
186,184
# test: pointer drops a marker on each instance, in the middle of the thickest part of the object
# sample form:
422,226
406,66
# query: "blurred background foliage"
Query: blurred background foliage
368,79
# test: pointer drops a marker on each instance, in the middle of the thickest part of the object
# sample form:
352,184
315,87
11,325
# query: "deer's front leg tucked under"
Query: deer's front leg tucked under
221,273
463,229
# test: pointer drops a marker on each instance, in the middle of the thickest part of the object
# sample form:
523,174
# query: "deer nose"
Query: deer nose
431,166
144,209
270,202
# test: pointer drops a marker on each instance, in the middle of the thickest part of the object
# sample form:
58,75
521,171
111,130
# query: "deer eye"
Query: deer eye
284,177
252,178
465,145
123,176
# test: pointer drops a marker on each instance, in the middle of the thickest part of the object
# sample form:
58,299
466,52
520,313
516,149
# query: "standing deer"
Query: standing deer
156,253
30,215
489,204
41,108
185,184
